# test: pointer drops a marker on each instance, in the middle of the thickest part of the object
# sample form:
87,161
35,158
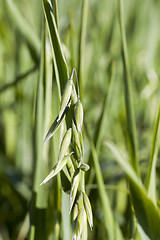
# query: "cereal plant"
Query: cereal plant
79,120
71,158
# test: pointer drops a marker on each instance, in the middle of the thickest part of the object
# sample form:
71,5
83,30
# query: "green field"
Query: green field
114,47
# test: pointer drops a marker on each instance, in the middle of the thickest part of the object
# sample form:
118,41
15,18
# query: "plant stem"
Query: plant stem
128,95
83,29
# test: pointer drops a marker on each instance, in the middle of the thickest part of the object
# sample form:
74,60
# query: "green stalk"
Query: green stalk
56,13
112,228
23,26
146,212
61,65
108,217
104,114
39,196
83,29
151,176
61,76
128,95
101,125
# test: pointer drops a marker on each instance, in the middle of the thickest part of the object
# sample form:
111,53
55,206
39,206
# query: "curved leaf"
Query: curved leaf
145,210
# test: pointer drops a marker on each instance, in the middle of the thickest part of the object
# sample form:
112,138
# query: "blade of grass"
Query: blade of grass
55,204
111,226
55,43
23,26
48,86
83,30
123,163
151,175
107,103
145,210
66,217
39,198
61,76
128,94
55,5
101,125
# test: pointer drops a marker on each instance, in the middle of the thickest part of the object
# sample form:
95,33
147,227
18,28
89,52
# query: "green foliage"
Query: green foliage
115,47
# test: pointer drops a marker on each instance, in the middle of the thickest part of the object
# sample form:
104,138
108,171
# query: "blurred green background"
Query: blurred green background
21,24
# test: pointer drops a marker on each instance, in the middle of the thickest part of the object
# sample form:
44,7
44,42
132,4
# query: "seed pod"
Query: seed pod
70,167
80,227
64,144
55,125
65,97
81,140
88,209
80,224
56,169
76,142
78,114
74,188
81,219
75,212
74,96
74,157
84,167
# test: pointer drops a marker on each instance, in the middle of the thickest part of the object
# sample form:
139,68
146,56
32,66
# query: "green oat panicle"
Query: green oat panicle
71,160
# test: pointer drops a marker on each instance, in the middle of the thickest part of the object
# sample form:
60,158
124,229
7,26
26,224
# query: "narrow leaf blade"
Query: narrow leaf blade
55,43
145,210
151,176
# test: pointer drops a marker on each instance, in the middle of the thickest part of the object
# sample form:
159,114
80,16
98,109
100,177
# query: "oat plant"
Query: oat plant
114,46
70,162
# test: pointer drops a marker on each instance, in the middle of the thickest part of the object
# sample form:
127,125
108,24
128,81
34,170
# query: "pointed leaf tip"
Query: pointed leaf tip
55,125
42,183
